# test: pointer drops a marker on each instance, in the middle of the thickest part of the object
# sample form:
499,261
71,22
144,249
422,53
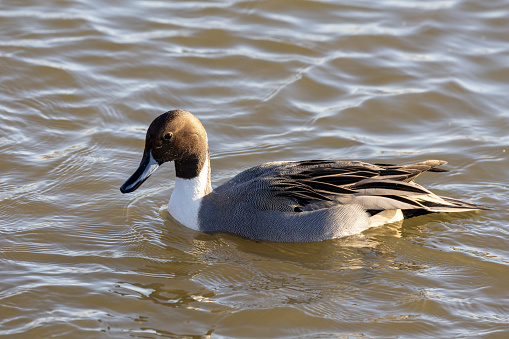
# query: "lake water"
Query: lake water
379,81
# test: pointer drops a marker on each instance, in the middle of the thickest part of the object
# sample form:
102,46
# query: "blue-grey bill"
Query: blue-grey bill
147,166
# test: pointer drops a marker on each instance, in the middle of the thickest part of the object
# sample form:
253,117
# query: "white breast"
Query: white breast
186,198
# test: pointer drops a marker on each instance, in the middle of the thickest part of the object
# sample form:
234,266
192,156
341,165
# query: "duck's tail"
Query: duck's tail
453,205
432,202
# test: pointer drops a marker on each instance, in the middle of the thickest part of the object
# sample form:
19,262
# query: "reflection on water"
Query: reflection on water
386,81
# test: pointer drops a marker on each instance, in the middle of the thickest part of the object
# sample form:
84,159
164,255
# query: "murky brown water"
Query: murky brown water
379,81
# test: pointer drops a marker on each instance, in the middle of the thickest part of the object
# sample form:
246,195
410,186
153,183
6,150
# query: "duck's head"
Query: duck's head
173,136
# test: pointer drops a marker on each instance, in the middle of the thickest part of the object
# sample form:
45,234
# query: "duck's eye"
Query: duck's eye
168,136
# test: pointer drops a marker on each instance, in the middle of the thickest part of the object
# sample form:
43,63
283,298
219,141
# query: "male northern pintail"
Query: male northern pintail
290,201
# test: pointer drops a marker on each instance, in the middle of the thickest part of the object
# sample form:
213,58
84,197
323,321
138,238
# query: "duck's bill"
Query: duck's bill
147,166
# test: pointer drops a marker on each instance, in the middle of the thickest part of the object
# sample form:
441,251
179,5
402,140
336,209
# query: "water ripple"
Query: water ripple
388,81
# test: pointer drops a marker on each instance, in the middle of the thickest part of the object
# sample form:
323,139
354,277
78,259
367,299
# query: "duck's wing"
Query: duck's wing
320,183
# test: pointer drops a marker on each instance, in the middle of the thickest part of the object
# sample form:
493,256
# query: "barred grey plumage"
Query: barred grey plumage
317,200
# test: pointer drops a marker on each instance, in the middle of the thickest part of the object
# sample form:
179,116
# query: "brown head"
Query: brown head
173,136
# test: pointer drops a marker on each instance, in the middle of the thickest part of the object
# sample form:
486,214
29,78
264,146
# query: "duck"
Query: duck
283,201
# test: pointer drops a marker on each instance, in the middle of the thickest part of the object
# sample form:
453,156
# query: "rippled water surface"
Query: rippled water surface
378,81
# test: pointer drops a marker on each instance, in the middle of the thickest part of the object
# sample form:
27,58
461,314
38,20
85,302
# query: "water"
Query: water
385,81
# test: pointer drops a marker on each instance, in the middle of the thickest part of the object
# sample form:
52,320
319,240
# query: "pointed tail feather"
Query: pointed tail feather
453,205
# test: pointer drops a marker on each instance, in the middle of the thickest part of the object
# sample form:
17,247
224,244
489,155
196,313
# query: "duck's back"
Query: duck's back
320,199
253,205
